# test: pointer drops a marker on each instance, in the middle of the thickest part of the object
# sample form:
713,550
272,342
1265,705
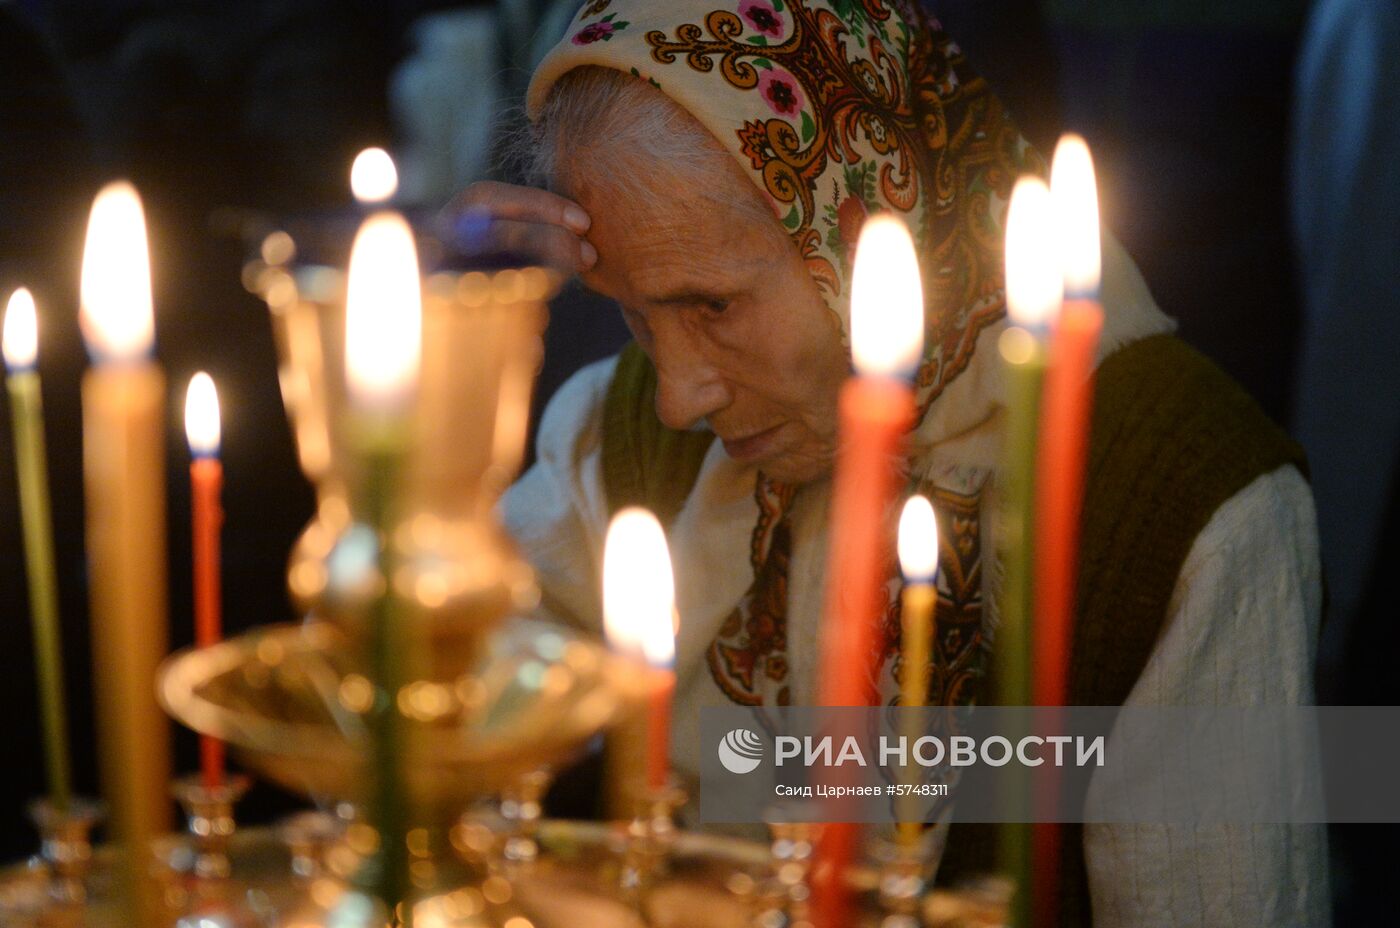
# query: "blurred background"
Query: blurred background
1246,158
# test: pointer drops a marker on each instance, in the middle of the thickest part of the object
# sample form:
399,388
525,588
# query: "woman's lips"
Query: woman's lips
753,447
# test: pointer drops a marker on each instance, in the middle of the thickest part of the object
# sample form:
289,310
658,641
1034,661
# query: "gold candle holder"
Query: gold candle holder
65,849
521,807
650,835
456,569
210,822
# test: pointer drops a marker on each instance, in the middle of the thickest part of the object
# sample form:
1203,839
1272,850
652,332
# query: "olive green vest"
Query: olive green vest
1172,439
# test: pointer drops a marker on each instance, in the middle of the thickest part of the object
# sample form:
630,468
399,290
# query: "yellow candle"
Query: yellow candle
21,348
918,562
124,478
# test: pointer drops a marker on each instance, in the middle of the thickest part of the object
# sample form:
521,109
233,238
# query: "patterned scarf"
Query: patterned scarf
839,108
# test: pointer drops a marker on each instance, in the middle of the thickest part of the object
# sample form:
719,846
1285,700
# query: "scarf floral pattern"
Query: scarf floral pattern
839,108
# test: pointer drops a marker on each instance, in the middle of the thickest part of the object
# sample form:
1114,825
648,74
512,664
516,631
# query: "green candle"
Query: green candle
27,418
1034,291
1024,371
387,664
383,347
1024,357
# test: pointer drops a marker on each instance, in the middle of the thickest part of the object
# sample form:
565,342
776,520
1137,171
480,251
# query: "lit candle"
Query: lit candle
876,408
21,349
1034,290
383,348
373,177
639,609
1065,415
202,430
383,318
124,478
918,561
1064,429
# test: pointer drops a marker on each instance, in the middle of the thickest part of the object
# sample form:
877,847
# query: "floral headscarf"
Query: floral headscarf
837,109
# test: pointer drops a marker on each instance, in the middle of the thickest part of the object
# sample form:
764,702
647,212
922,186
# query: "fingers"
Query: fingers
523,204
550,244
535,223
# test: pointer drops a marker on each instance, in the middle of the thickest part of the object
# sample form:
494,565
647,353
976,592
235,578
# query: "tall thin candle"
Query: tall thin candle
918,561
124,478
1064,427
638,617
1034,290
202,430
876,408
21,348
1064,422
383,348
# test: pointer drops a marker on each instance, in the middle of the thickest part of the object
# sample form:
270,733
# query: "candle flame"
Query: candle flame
21,340
373,177
1076,200
1034,282
118,322
202,426
383,313
639,592
887,301
918,540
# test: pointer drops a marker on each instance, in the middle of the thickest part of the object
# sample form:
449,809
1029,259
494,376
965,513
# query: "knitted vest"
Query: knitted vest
1172,439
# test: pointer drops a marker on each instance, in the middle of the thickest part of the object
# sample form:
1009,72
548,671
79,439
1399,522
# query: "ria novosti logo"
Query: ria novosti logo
740,751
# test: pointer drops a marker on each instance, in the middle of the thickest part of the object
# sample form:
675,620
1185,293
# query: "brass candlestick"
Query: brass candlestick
66,847
458,573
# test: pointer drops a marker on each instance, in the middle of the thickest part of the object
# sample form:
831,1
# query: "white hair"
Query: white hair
619,137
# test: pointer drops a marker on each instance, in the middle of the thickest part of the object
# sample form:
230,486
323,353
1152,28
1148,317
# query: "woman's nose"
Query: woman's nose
688,387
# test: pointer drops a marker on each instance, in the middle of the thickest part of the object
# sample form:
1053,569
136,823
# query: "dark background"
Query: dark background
261,106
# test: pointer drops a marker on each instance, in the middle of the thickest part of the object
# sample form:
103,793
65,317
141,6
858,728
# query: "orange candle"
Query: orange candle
1064,430
124,482
876,409
639,618
202,430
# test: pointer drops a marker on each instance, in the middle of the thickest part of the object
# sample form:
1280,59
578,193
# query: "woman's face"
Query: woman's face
741,339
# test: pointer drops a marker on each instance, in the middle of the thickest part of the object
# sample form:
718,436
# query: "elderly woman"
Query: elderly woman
709,166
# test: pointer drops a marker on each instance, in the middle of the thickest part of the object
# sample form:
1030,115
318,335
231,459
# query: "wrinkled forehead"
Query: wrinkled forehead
680,236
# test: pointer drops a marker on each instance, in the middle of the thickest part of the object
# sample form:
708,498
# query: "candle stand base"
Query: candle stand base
649,838
66,847
786,893
521,806
904,862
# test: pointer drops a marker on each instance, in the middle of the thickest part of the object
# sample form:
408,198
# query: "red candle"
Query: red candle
202,429
639,619
1065,416
659,731
1064,430
876,409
